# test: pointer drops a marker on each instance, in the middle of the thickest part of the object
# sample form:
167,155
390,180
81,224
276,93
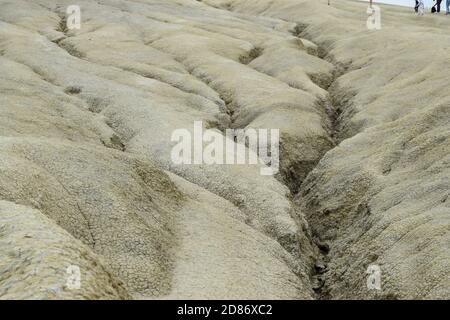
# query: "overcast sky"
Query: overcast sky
408,3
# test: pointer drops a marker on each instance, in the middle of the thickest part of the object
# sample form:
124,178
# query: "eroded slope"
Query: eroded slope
86,118
380,197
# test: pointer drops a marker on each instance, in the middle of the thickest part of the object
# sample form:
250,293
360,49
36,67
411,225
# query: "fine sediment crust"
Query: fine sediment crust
86,118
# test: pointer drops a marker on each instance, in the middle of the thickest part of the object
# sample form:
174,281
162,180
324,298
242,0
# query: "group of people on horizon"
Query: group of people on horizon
420,7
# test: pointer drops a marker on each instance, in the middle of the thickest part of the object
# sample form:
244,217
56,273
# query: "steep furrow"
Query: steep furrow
333,105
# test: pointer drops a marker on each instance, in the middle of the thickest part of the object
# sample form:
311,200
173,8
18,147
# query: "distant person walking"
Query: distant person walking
436,7
421,8
416,7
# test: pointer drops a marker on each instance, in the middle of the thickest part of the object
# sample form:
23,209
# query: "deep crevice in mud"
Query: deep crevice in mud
66,46
337,107
62,25
71,49
334,107
336,104
251,55
228,112
95,105
72,90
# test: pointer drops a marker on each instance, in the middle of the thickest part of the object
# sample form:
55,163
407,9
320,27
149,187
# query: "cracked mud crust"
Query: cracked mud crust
86,177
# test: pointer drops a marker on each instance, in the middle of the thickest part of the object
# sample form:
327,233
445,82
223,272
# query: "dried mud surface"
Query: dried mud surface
86,177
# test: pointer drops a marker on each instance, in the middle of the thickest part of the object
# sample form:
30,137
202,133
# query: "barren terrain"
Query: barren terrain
86,176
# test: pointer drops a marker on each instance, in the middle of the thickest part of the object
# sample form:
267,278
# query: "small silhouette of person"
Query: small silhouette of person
437,7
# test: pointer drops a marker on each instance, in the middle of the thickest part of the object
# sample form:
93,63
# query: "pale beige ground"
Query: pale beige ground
85,124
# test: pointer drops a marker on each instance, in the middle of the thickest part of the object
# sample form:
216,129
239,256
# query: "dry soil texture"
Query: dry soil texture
86,176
